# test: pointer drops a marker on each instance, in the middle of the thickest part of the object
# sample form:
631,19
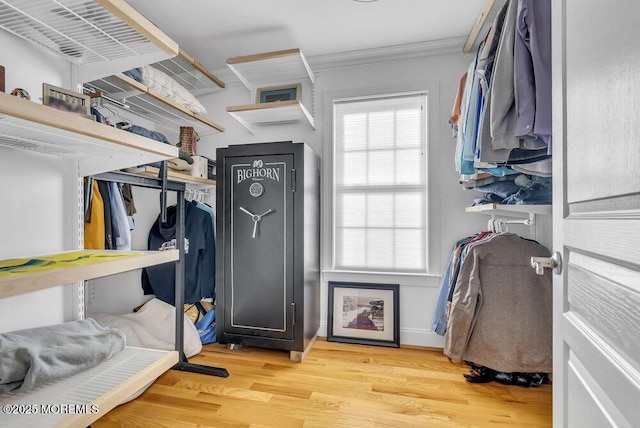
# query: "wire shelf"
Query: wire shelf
151,105
81,31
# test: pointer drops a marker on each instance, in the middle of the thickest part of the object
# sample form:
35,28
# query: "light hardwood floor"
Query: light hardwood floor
337,385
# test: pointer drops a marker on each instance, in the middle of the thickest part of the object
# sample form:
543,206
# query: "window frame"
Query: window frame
332,189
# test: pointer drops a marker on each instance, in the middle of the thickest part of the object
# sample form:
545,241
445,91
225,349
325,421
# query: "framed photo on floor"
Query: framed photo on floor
364,313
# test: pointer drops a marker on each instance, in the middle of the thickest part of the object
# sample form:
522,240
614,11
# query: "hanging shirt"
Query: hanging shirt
533,69
119,213
94,228
199,260
109,239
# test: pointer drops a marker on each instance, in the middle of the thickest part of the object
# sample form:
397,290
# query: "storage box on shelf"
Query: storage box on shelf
256,71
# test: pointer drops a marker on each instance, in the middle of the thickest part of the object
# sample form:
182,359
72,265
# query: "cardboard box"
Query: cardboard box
199,167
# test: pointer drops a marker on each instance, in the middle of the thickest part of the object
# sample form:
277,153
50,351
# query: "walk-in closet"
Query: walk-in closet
337,213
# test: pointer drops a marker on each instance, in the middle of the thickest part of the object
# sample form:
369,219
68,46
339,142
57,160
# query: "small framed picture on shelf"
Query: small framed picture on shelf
278,93
364,313
66,100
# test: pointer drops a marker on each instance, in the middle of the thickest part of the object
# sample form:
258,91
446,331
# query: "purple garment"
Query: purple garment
532,70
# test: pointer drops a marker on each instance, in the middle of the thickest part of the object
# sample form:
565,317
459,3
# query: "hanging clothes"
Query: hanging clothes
119,218
109,239
94,228
501,309
199,263
532,70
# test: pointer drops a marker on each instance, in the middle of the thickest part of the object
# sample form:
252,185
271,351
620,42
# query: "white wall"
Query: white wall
37,193
448,222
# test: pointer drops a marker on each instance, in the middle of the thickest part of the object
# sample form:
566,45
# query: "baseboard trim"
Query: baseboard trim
418,337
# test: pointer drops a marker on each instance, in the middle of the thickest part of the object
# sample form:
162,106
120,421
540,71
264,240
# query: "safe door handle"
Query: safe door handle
541,263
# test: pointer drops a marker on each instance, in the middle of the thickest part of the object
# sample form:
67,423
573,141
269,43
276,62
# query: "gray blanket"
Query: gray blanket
33,357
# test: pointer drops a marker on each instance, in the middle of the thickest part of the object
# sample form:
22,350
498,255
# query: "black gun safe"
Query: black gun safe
268,246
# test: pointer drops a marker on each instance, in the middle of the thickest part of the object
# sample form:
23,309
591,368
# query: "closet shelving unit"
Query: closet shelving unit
263,70
27,125
190,73
481,26
527,213
101,38
197,183
151,105
96,148
106,37
519,211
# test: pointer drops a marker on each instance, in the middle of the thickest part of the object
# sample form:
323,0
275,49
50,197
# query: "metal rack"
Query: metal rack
164,185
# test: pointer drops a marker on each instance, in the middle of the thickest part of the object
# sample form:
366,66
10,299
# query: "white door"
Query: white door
596,78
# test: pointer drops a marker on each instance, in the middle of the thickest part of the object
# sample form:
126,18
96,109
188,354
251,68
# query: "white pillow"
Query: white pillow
153,326
167,86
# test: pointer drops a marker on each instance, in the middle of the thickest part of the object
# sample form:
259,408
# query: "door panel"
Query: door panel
594,414
596,150
260,256
603,71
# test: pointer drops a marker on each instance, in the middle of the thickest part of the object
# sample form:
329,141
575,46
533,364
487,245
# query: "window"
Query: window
380,184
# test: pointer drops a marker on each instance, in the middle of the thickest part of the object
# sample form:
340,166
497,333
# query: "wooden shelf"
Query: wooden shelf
190,73
482,24
102,36
14,284
98,148
521,211
287,66
198,182
270,113
104,386
149,104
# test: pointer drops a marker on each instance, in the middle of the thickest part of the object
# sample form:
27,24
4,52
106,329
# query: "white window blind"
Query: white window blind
380,184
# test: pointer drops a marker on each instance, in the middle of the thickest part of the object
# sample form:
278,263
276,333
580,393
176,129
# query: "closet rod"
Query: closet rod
100,98
157,183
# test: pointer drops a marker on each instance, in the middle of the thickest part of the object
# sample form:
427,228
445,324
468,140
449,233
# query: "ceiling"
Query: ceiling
214,30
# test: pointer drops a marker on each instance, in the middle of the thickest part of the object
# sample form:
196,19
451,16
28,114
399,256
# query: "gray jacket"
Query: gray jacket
501,315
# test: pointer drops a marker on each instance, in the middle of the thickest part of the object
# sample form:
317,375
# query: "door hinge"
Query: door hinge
293,313
293,180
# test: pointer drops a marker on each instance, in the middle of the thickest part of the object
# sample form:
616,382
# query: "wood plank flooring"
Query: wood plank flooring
337,385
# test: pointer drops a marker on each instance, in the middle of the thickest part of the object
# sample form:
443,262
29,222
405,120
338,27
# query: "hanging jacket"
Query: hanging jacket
199,263
501,311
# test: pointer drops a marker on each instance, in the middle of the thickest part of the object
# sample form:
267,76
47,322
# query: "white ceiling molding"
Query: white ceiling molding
386,54
370,56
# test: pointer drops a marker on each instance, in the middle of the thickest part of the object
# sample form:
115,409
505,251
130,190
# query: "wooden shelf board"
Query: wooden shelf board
483,22
278,112
21,283
151,171
286,66
105,386
149,104
31,126
510,210
102,36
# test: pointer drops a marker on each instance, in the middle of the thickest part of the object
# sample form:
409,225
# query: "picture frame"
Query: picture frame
278,93
66,100
364,313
